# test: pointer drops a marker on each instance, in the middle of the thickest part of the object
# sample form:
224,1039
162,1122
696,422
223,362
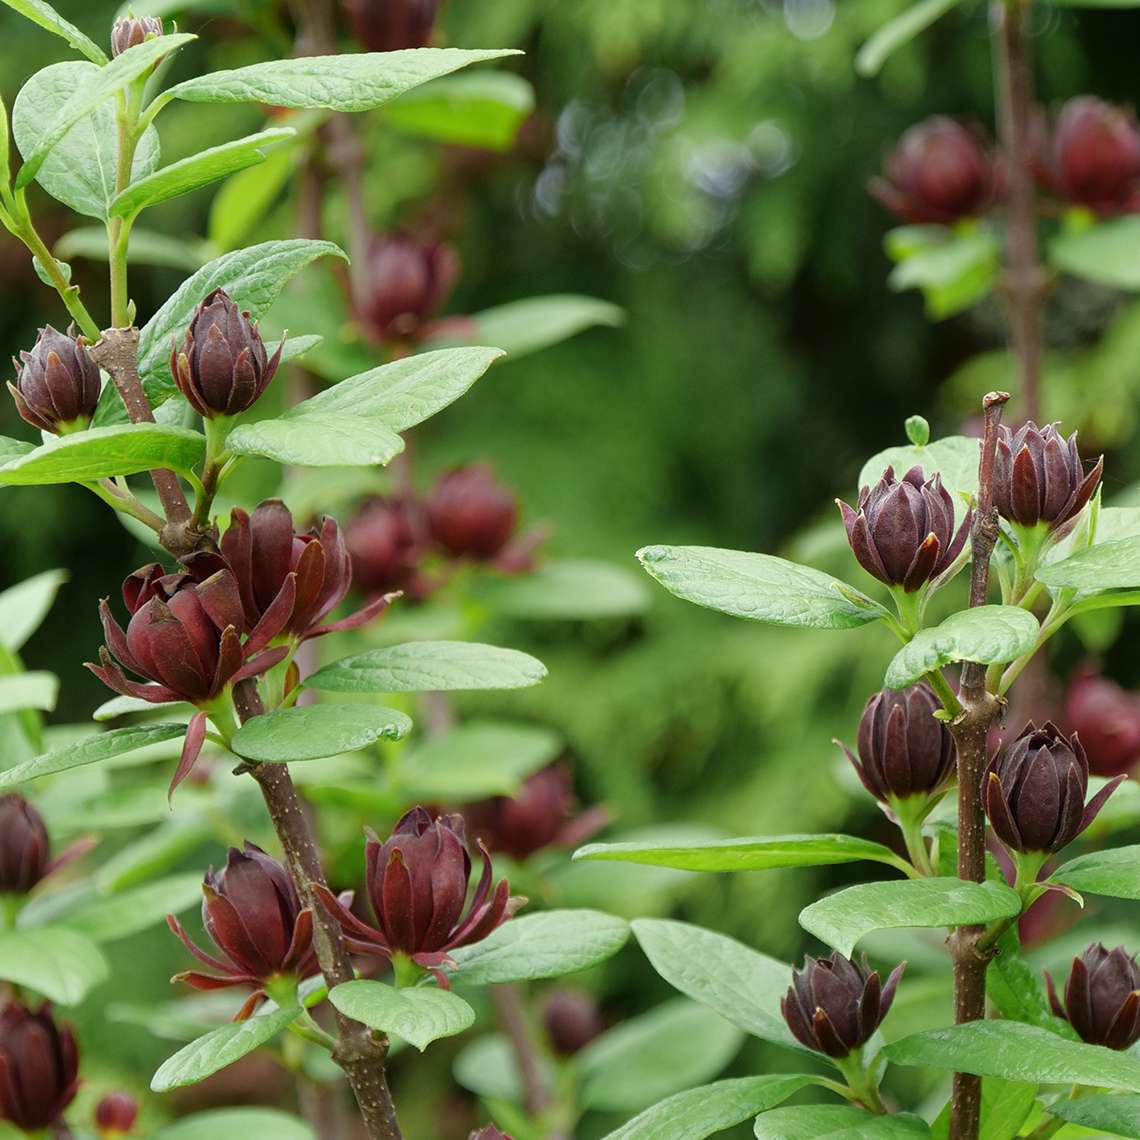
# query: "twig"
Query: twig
512,1017
979,709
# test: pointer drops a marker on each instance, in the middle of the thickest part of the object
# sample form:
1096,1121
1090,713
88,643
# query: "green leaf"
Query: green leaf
36,690
567,589
319,440
1107,253
737,982
80,170
157,850
1118,1115
760,587
1103,566
221,1047
61,964
672,1047
837,1122
546,945
237,1124
1115,872
145,247
954,457
1006,1106
901,30
953,274
418,1014
109,917
102,746
99,85
42,13
25,605
427,666
316,731
701,1112
248,196
990,635
1017,991
198,170
843,918
357,82
253,277
1016,1052
481,109
405,392
761,853
13,448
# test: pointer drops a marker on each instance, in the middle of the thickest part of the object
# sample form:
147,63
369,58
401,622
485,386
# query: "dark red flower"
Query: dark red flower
57,383
541,814
1094,160
940,172
39,1067
408,279
417,882
902,530
386,540
1102,997
25,850
392,25
252,913
132,31
116,1114
1107,719
470,513
571,1020
834,1005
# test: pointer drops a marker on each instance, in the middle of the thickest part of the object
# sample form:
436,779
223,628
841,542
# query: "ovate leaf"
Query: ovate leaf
237,1124
25,605
110,917
1114,872
34,690
1118,1115
101,746
314,731
954,458
61,964
1108,252
418,1014
567,589
1103,566
837,1122
319,440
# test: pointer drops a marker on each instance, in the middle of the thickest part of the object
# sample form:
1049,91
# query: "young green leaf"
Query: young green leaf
954,457
837,1122
43,14
567,589
34,690
427,666
1016,1052
760,587
1118,1115
99,86
1114,872
418,1015
25,605
1107,253
221,1047
547,945
1103,566
319,440
990,635
198,170
315,731
357,82
110,917
243,1123
843,918
122,449
761,853
61,964
892,35
953,275
702,1112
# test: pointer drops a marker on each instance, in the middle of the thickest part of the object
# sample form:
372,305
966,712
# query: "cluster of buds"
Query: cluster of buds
57,383
1102,997
1034,791
392,25
834,1005
252,913
1107,720
39,1067
408,279
417,884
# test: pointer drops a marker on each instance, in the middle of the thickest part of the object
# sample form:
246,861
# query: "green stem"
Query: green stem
941,687
213,469
909,817
861,1086
126,504
222,714
119,229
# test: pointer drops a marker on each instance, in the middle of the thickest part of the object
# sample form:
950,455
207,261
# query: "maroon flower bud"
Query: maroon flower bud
222,367
132,31
408,279
300,578
390,25
39,1067
471,515
572,1020
386,540
24,846
1039,476
540,815
489,1132
116,1114
417,882
57,383
834,1005
903,749
940,172
252,913
1094,160
1102,997
1107,719
1035,790
902,531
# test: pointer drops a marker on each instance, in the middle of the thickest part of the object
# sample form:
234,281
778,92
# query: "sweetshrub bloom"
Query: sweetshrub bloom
24,846
904,750
1039,476
542,814
408,279
39,1067
572,1020
57,383
940,172
251,911
1034,790
391,25
132,31
116,1115
386,540
222,367
834,1005
1094,157
417,883
1102,997
1107,719
902,530
470,513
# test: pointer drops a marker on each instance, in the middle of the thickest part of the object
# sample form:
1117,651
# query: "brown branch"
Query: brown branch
359,1052
971,728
